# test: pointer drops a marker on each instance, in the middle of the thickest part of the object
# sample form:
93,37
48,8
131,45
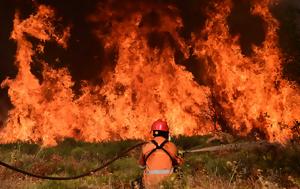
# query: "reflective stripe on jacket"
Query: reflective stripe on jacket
158,172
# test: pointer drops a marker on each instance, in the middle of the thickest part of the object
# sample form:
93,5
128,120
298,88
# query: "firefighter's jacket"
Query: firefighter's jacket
158,162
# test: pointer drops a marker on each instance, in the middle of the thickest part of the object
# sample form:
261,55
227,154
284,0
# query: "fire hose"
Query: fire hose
89,173
236,146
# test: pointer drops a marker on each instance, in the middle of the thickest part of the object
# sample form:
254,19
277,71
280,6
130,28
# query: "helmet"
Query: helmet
160,125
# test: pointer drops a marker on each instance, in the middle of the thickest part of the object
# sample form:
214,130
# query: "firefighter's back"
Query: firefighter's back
159,162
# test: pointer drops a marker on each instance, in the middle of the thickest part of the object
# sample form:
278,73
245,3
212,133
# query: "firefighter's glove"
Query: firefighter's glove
179,160
180,153
142,166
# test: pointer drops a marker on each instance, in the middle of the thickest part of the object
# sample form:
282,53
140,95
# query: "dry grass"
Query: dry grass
265,168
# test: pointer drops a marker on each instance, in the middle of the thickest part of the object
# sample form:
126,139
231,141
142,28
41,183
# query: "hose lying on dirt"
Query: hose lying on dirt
237,146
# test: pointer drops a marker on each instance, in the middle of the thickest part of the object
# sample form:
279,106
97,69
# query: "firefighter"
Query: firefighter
159,156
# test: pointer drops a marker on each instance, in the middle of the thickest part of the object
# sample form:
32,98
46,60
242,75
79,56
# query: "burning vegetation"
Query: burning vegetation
200,78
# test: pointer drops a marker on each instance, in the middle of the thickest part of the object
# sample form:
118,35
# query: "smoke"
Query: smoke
296,5
3,111
288,14
4,107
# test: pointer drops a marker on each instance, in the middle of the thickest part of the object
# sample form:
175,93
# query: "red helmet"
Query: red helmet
160,125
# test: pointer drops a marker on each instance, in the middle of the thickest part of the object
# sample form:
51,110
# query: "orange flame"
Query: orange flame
147,84
250,90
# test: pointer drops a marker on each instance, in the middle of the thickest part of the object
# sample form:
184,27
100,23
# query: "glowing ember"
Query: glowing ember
147,84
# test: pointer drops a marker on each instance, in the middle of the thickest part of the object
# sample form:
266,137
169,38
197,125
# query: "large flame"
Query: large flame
147,84
250,90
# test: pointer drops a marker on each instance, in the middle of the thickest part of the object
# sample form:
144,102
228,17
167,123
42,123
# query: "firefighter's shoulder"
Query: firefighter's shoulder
147,146
171,147
171,144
